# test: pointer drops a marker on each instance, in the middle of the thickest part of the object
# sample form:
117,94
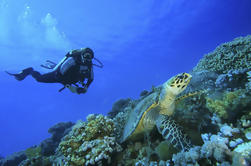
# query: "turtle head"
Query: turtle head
178,83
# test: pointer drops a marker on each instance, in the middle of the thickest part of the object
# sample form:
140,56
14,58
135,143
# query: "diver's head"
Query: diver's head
87,55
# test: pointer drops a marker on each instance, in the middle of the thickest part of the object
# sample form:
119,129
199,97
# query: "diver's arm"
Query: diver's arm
90,78
77,89
84,87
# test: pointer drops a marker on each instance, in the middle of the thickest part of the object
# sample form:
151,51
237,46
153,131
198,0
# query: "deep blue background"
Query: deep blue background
141,43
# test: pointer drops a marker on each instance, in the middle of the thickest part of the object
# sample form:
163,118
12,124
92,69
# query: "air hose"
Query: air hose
100,65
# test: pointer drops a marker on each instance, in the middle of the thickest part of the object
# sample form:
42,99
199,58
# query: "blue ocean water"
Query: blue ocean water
141,44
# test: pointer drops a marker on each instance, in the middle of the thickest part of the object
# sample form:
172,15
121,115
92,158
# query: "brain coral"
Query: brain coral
234,55
90,143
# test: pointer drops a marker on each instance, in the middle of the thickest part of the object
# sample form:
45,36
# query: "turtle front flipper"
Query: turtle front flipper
173,133
198,92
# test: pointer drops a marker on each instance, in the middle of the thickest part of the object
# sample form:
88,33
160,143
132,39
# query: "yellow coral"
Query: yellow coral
231,96
218,107
98,128
90,142
223,105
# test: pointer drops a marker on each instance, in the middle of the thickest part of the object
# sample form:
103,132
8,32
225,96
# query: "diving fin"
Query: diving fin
21,76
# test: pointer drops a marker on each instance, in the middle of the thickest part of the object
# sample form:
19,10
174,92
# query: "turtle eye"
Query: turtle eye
180,77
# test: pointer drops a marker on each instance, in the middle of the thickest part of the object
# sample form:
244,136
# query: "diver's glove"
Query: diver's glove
73,89
81,90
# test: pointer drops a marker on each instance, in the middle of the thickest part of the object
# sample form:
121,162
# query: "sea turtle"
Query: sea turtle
156,109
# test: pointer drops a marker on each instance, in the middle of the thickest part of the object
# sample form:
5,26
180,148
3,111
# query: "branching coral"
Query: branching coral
215,148
244,149
242,154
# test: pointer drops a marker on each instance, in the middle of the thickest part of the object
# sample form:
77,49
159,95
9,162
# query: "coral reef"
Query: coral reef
248,133
90,143
37,161
146,151
217,149
233,55
232,79
248,84
244,149
1,159
33,152
229,103
119,106
14,159
144,93
43,153
58,131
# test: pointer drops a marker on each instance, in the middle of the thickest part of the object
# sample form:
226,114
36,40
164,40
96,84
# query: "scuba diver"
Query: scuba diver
74,71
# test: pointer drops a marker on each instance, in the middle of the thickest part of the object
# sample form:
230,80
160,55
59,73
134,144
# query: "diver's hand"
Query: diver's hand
81,90
77,90
85,87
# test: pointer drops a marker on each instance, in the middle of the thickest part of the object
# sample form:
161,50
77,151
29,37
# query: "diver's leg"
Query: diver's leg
46,78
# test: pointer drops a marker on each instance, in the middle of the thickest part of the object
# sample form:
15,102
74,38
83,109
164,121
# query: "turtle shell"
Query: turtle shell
136,114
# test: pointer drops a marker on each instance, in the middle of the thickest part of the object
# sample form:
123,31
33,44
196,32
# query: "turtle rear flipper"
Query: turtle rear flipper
173,133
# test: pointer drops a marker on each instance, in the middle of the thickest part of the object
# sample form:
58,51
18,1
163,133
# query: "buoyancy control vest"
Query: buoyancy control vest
73,69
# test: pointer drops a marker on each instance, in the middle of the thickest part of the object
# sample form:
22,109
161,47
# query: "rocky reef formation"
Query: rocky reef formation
58,131
42,154
14,159
217,119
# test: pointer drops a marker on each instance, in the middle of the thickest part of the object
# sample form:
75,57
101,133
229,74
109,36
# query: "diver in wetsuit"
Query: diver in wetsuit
74,71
